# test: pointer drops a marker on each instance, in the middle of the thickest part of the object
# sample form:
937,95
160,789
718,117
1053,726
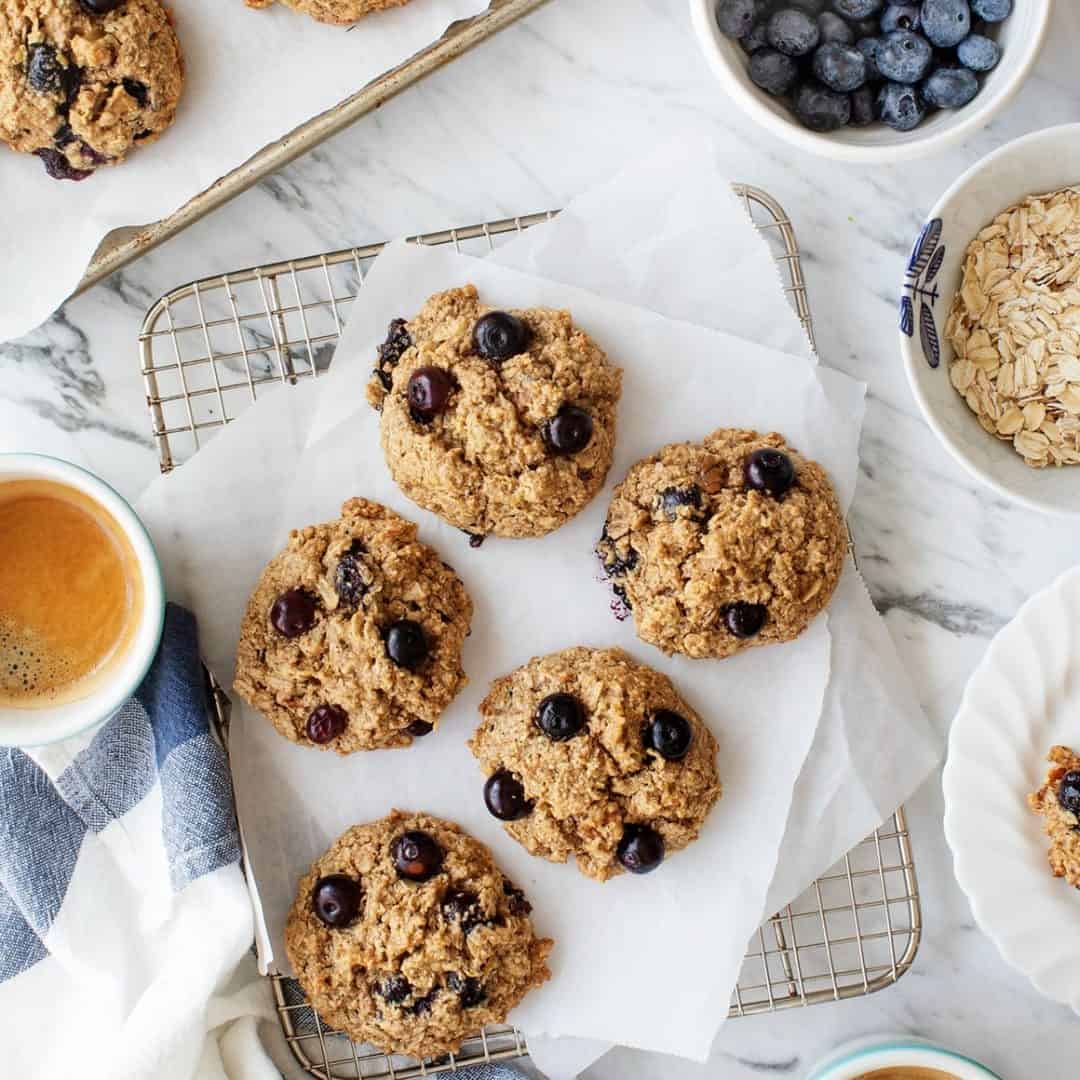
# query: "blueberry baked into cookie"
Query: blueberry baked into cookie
591,754
335,12
82,82
500,422
352,638
1058,801
406,935
725,544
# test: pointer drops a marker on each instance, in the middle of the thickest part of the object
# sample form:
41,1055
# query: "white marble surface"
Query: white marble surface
525,122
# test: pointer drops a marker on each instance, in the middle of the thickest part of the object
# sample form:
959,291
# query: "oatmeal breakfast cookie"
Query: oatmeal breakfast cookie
725,544
406,935
500,422
591,754
335,12
84,81
1058,800
352,638
1014,327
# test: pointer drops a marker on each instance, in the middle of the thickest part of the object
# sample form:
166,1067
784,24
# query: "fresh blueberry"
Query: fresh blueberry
429,392
901,106
811,7
672,498
857,9
775,72
326,723
901,17
498,335
560,717
904,56
870,47
504,796
100,7
756,38
978,53
950,88
833,28
406,644
416,856
58,166
336,900
293,613
641,849
821,109
1069,793
390,351
793,32
992,10
946,22
839,67
744,620
769,471
669,734
736,17
866,27
863,107
467,988
569,431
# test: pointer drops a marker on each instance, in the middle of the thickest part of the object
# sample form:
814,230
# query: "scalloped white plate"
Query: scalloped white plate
1022,699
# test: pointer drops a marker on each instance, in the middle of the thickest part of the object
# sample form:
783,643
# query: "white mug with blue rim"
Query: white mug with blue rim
891,1055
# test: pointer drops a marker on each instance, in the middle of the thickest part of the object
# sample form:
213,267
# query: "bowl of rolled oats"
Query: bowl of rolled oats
990,320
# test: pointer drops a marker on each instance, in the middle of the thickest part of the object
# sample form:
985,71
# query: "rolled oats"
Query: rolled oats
1014,327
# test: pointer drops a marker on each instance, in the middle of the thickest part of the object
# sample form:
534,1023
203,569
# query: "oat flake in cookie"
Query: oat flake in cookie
336,12
406,935
1058,801
352,638
500,422
82,82
725,544
591,754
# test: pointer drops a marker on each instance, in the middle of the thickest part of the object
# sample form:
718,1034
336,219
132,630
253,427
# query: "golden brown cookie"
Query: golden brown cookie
84,81
1058,801
352,638
335,12
591,754
725,544
500,422
406,935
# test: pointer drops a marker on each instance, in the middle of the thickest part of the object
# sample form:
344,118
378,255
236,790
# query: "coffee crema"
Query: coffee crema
906,1072
71,593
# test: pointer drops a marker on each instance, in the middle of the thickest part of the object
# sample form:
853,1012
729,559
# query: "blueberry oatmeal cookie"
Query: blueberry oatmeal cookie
406,935
501,422
84,81
335,12
1058,801
591,754
352,638
725,544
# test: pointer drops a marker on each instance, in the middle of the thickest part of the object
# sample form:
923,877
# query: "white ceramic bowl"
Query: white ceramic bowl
1042,162
867,1055
34,727
1021,37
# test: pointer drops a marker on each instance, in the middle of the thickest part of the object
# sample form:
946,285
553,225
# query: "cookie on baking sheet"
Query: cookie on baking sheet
352,638
725,544
84,81
1058,801
335,12
591,754
501,422
406,935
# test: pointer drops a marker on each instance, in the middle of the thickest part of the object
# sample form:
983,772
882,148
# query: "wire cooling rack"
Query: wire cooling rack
210,347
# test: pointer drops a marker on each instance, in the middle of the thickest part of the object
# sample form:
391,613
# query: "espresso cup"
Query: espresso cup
82,604
899,1057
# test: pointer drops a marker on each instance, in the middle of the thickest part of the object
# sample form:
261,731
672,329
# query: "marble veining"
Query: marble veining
523,123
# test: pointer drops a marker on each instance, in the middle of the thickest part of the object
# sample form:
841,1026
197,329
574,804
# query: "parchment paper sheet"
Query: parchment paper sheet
297,454
251,77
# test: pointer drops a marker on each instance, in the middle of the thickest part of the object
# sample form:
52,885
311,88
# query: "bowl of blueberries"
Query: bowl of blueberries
871,80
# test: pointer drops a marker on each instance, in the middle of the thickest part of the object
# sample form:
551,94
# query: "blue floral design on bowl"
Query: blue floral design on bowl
921,289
